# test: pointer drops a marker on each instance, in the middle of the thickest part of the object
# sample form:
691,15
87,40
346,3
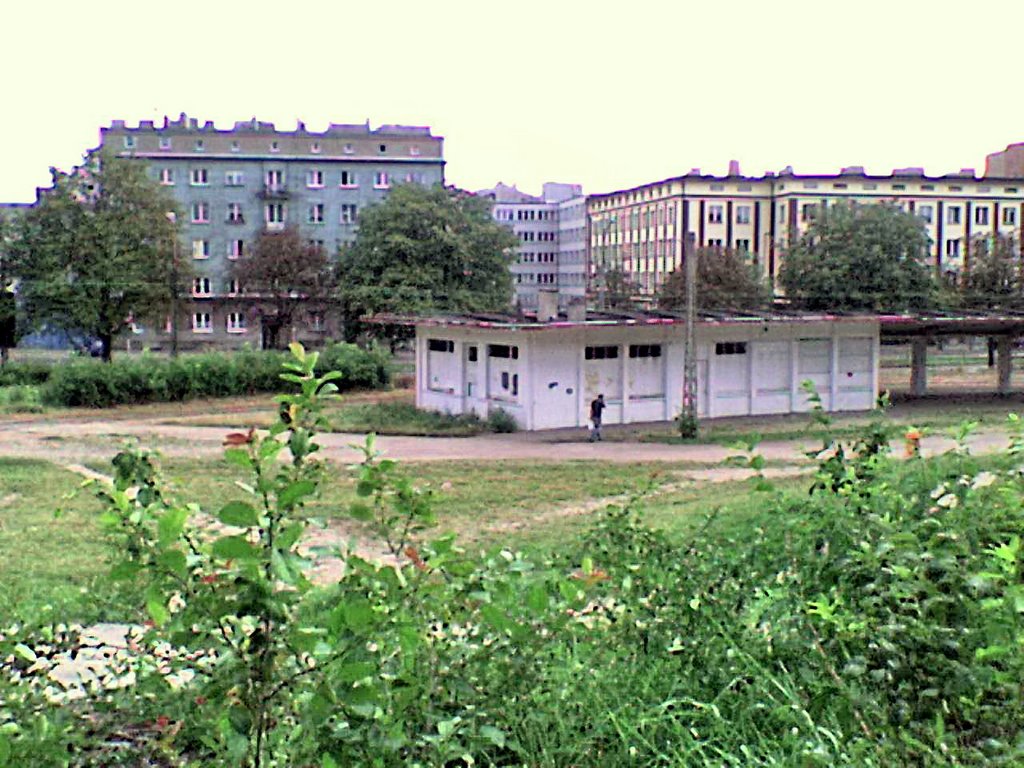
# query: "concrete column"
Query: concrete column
919,366
624,389
833,387
796,395
1004,362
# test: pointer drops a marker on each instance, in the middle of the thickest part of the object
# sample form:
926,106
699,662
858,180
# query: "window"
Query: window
235,146
236,249
167,177
234,178
808,212
348,149
200,213
316,213
383,147
1010,217
953,248
953,214
714,242
440,345
607,352
645,350
926,213
981,216
275,179
414,151
471,354
200,249
503,350
715,214
275,147
274,214
348,179
898,187
235,322
234,287
199,177
315,147
348,213
743,244
129,142
315,179
316,245
201,323
742,214
381,180
165,142
235,215
316,322
731,348
201,287
199,145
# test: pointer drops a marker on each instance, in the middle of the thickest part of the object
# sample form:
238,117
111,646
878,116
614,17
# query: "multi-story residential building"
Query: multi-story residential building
641,230
231,185
552,244
1006,164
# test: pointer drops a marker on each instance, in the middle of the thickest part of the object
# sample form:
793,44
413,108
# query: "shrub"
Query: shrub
22,373
501,421
145,379
20,399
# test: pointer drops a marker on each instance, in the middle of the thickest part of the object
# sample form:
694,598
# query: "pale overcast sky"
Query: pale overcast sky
605,94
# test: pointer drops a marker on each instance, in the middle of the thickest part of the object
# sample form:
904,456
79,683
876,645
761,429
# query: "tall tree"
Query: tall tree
95,252
726,279
616,289
285,273
426,249
859,257
8,315
993,278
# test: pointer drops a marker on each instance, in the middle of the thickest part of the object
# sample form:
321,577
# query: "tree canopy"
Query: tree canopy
8,318
726,279
284,273
95,253
993,276
426,249
859,257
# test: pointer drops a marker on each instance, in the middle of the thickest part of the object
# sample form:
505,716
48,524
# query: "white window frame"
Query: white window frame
200,249
348,149
236,146
202,322
381,180
414,151
953,215
926,213
199,145
316,213
743,214
274,179
314,179
234,286
167,177
202,287
234,178
981,216
275,215
236,249
129,142
315,147
349,213
234,322
349,180
714,214
275,146
235,214
199,177
165,142
200,213
1009,217
953,248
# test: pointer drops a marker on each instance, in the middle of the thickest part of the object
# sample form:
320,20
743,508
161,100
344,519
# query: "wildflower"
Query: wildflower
912,443
949,501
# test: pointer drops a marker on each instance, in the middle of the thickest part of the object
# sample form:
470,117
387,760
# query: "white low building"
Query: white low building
545,374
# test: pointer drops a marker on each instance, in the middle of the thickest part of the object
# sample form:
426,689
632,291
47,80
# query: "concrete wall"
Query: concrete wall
555,372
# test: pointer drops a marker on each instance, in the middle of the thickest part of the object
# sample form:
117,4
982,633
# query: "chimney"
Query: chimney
734,168
547,306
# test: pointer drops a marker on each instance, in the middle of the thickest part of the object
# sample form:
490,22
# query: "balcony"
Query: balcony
274,192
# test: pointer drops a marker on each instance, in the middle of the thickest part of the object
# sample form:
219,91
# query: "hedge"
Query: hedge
20,374
147,379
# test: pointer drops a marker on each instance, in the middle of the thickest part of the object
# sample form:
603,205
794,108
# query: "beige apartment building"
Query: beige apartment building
641,230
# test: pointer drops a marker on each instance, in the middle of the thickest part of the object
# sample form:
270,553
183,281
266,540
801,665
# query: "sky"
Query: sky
605,94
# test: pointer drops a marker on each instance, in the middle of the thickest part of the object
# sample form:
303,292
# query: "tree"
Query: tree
426,249
859,257
993,277
284,273
616,289
8,316
726,279
95,252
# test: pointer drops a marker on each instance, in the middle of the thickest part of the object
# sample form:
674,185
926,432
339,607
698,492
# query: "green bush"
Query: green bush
501,421
20,399
18,373
146,378
404,419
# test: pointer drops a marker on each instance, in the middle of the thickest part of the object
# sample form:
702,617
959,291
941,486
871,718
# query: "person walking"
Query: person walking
596,408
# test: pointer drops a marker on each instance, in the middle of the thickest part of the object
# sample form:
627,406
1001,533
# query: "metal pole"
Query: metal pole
689,412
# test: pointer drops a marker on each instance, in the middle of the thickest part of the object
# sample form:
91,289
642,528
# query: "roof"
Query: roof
607,318
1002,323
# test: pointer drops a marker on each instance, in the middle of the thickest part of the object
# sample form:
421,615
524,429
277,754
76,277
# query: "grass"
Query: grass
47,560
20,399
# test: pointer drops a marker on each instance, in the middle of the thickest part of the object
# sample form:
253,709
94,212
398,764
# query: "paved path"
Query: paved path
76,441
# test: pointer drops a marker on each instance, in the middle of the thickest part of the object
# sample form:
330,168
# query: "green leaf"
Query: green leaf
125,570
446,728
239,514
287,538
359,510
358,614
493,735
537,599
5,751
234,548
326,761
355,670
156,606
174,561
172,523
294,492
24,652
496,618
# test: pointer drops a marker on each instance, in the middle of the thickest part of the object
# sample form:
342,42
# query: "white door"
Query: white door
772,377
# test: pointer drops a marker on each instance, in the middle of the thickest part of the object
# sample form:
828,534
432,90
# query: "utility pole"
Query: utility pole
172,218
688,415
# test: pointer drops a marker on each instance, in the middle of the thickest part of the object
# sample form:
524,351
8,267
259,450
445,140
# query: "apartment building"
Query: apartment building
231,185
641,230
551,230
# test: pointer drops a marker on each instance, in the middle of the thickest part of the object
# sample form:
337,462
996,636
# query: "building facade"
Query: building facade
551,230
641,231
231,185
